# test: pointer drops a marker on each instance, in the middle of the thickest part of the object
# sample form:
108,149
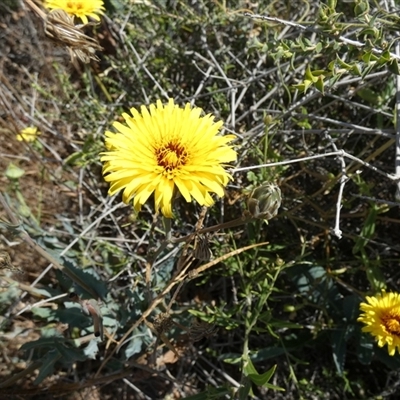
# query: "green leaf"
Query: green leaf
338,340
356,69
210,394
319,84
267,353
309,75
303,86
47,367
9,295
285,324
369,57
231,358
92,349
248,367
342,64
310,280
71,315
70,354
351,306
44,313
274,387
262,379
384,58
375,277
392,362
135,345
96,285
332,5
365,349
42,342
361,8
13,172
244,389
367,231
368,95
393,66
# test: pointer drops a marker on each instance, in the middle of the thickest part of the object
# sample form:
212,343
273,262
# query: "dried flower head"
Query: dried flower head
162,323
59,25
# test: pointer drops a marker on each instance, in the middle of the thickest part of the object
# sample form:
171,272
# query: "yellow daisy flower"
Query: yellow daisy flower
80,8
165,148
29,134
382,319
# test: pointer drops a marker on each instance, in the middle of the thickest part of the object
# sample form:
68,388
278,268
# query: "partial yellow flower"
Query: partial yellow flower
29,134
165,148
80,8
382,319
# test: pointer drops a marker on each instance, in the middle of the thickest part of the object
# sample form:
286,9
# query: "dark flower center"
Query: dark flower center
75,4
171,156
391,321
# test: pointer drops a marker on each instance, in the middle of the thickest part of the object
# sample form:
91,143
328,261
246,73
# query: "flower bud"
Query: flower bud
264,201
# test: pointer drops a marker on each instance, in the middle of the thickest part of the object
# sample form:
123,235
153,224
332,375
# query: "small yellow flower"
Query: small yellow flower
167,148
382,319
29,134
80,8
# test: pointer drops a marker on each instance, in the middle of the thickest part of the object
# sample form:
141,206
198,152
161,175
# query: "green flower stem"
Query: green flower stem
267,287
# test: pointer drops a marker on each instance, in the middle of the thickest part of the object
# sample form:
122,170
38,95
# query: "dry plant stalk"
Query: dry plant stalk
59,26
